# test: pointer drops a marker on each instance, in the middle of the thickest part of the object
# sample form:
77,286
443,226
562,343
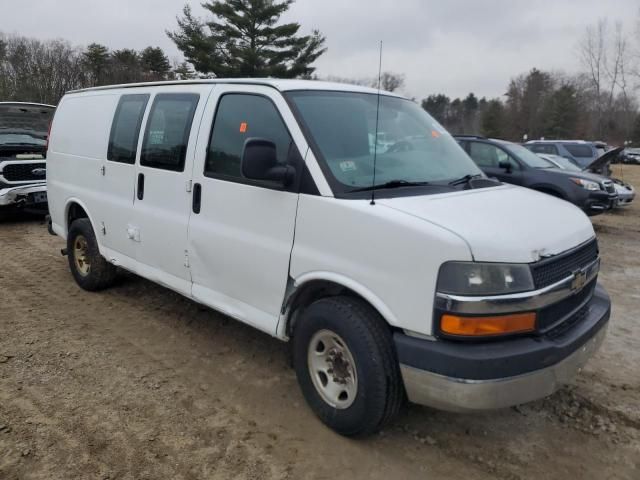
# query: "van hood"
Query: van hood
502,224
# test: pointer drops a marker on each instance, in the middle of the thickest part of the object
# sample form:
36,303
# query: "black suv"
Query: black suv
513,163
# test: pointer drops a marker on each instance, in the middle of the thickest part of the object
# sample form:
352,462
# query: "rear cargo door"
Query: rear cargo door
116,213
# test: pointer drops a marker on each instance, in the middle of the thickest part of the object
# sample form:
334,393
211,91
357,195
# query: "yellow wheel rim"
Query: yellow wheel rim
81,255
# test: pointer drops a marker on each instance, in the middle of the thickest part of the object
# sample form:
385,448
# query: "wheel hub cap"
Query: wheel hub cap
332,369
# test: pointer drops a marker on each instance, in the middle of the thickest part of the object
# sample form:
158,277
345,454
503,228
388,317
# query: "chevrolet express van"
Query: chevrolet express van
350,224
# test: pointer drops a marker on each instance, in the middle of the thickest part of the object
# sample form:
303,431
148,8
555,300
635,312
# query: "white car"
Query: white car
403,271
23,135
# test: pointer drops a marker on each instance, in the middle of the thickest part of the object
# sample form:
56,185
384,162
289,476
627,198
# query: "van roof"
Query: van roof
277,83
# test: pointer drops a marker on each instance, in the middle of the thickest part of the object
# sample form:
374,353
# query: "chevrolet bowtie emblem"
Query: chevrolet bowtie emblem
579,280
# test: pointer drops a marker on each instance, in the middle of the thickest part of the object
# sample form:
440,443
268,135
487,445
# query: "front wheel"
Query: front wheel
90,269
346,365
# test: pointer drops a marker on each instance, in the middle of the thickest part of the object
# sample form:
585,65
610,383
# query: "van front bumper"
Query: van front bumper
468,377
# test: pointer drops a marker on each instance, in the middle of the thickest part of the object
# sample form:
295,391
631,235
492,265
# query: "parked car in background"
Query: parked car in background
580,152
631,156
513,163
23,145
254,197
626,192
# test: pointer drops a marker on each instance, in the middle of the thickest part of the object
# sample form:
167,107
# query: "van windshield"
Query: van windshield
412,148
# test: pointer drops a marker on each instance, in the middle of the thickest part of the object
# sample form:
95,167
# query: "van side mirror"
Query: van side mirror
505,165
260,162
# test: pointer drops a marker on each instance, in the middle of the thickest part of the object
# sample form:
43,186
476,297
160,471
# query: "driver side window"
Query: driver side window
238,118
489,156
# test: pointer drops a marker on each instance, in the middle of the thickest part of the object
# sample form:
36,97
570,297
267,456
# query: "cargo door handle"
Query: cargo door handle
197,198
140,190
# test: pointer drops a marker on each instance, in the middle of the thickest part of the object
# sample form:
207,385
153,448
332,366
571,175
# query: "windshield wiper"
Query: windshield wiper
390,184
466,179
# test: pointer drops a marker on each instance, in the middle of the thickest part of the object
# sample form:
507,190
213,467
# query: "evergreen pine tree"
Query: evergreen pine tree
244,39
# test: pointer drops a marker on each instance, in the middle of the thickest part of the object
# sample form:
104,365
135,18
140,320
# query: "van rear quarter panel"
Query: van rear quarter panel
77,150
388,257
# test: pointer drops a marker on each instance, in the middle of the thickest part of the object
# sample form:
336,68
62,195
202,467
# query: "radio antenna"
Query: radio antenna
375,138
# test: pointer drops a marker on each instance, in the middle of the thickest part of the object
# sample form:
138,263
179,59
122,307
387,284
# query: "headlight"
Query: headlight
472,278
587,184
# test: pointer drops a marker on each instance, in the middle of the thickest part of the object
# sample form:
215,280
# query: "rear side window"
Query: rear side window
125,129
167,132
543,148
239,117
583,151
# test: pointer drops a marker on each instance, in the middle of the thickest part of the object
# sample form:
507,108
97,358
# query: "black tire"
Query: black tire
380,392
100,273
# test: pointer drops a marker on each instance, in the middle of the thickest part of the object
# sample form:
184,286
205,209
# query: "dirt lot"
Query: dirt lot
139,383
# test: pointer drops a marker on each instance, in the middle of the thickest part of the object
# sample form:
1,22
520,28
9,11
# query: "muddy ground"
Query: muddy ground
139,383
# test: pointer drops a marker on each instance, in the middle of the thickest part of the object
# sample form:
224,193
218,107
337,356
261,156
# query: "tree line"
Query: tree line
245,38
42,71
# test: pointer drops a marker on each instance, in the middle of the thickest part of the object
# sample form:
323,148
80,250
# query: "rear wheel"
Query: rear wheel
346,365
90,269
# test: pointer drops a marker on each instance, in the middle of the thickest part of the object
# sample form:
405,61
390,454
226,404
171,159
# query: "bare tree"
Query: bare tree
31,70
593,56
606,58
390,81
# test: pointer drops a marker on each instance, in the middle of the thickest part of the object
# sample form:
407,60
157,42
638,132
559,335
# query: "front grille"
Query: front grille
557,313
551,270
568,324
23,172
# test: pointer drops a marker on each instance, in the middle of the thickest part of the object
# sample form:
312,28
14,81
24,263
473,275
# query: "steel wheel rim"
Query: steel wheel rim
332,369
81,255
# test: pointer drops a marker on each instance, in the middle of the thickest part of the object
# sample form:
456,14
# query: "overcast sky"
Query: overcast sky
449,46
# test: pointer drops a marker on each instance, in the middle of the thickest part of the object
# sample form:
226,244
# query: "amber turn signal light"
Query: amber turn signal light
486,326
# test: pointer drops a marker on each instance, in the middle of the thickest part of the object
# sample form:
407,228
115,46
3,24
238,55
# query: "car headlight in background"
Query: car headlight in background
586,184
473,278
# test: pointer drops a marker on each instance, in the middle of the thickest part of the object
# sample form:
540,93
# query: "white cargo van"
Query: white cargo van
254,197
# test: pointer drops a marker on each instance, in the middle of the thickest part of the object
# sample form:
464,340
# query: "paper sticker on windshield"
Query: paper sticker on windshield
436,127
348,166
435,134
243,127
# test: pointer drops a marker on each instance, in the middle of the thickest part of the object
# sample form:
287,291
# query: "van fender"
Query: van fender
67,206
298,283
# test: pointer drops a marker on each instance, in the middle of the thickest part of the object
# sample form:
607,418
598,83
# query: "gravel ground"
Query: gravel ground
139,383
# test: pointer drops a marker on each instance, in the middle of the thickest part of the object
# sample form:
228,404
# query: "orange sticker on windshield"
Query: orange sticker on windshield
435,134
243,127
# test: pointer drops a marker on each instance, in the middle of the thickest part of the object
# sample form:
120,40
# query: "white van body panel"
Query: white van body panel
374,256
512,236
78,146
240,242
